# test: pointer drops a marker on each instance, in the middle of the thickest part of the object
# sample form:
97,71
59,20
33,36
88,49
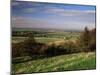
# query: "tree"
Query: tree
30,44
84,39
92,45
88,40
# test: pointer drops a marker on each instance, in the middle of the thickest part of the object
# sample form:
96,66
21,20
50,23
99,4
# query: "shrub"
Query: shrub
53,50
65,48
27,47
18,49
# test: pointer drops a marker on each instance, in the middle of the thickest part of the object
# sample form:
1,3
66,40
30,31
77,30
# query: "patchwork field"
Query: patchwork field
47,37
78,61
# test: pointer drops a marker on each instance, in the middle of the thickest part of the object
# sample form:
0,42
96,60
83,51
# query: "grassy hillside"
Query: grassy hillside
78,61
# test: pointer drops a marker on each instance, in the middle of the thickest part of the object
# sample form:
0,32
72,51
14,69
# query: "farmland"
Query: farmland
47,37
52,51
78,61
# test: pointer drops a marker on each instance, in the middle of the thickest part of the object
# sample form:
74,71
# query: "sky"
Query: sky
52,15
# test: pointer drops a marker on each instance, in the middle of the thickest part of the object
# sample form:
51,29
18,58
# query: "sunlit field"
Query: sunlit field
50,37
79,61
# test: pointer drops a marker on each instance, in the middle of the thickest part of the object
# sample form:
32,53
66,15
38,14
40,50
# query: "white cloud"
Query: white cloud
64,12
25,22
28,22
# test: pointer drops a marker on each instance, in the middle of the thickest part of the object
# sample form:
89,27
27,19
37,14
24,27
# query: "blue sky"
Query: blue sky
52,15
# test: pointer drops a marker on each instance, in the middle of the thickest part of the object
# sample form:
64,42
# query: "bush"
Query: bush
27,47
53,50
18,49
65,48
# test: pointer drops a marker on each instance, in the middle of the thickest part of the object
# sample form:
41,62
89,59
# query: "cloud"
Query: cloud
24,22
38,15
64,12
30,8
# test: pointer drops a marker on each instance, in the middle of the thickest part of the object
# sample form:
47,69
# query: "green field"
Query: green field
78,61
50,37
